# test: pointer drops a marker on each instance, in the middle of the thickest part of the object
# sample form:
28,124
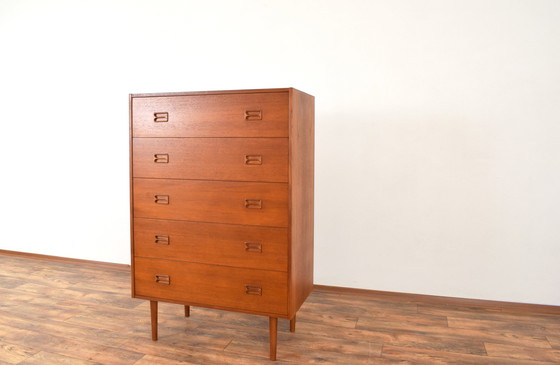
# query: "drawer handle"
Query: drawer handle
253,160
160,117
253,290
161,239
161,158
162,199
253,203
253,247
163,279
253,114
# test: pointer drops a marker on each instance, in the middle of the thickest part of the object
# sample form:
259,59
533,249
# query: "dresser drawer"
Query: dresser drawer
211,243
241,159
215,286
248,203
220,115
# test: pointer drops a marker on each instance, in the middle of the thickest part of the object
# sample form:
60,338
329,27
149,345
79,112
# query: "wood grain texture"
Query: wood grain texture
154,319
232,159
522,353
554,341
302,152
273,337
212,92
209,158
217,286
218,244
428,357
212,201
65,312
14,354
216,115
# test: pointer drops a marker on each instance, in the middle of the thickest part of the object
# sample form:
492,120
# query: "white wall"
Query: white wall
437,128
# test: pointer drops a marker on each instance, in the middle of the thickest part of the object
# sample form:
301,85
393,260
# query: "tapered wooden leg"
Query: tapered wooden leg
187,311
273,327
293,324
153,313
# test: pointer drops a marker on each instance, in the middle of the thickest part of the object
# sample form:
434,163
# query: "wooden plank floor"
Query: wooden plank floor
66,313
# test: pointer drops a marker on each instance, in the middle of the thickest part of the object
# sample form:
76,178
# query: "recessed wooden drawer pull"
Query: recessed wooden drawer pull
162,199
163,279
253,160
161,117
253,290
161,239
253,247
161,158
253,203
253,114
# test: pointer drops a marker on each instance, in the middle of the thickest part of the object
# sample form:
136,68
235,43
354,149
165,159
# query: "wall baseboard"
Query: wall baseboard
374,294
450,301
98,264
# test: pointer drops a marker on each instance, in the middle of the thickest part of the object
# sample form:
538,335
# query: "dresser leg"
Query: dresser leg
153,314
187,311
273,327
293,324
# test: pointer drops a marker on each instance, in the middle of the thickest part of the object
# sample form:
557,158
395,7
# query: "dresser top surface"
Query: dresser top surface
216,92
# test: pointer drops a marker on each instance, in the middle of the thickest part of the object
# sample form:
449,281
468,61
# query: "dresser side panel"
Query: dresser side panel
301,197
131,191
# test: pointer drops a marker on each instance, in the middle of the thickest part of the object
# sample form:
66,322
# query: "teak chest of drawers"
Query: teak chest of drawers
222,201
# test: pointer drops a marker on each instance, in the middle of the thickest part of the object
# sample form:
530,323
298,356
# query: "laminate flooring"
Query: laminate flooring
68,313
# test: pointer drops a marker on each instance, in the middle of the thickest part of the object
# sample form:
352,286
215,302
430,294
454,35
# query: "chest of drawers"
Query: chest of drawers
222,201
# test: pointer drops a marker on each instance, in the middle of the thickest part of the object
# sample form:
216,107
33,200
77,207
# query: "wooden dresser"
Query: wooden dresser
222,201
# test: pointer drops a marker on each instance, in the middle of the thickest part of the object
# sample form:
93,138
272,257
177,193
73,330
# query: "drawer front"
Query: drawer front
248,203
241,159
211,243
225,115
207,285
